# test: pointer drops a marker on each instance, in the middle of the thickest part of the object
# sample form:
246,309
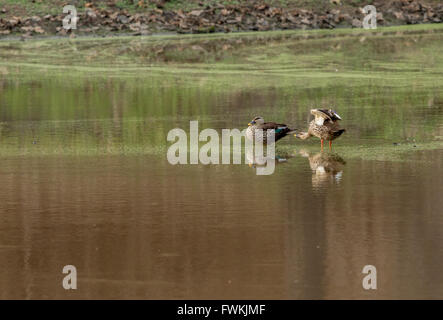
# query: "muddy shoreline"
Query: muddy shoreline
249,16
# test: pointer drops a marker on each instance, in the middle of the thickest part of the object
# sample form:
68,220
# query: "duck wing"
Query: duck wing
320,116
280,130
330,113
278,127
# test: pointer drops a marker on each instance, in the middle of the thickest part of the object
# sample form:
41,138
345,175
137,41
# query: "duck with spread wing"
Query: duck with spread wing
325,126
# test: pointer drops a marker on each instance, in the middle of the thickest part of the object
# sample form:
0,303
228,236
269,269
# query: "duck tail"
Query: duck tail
338,133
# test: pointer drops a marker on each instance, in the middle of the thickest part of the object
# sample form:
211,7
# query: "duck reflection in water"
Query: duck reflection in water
326,167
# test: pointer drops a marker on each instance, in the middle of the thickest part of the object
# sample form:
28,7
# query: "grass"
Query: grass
283,57
29,8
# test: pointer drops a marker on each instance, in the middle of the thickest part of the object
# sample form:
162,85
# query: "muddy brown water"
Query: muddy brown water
135,227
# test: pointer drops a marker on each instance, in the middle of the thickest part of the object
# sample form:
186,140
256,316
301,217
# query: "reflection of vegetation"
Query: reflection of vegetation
124,95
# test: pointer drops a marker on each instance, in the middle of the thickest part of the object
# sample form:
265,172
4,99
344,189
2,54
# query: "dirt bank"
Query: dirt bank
141,18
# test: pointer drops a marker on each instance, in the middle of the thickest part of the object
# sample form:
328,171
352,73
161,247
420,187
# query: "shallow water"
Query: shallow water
85,180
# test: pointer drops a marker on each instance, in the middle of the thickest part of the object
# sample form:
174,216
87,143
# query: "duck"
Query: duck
257,130
325,126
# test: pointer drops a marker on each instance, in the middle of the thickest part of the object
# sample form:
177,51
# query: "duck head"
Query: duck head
256,120
302,135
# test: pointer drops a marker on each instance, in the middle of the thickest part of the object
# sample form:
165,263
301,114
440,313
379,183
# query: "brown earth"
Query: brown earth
250,15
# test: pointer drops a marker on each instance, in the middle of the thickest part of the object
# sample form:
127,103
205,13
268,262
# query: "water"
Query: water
85,180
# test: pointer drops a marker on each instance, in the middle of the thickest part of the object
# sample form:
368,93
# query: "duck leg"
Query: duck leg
330,144
321,144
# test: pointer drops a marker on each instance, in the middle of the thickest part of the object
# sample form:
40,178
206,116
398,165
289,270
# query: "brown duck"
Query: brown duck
324,126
